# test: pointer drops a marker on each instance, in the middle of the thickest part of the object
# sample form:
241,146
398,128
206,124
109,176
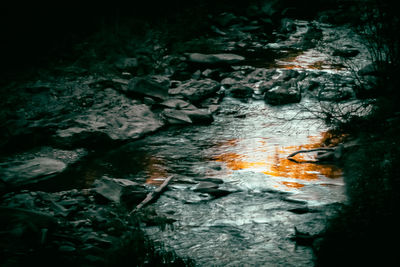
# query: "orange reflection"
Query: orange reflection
155,171
298,60
293,184
274,162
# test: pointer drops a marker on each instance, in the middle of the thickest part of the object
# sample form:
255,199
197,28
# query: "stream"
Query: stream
253,224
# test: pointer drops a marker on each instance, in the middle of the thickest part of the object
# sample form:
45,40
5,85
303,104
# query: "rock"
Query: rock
174,116
335,94
214,59
66,249
212,180
203,187
21,173
196,90
345,52
228,82
240,91
121,191
21,222
211,189
146,86
105,124
201,115
127,64
188,116
369,70
226,19
176,103
284,94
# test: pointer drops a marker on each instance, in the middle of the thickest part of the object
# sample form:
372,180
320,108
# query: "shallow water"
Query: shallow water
246,147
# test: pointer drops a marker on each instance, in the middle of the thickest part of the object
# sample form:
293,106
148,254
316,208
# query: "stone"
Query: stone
196,90
176,103
174,116
214,59
226,19
121,191
20,173
127,64
203,187
345,52
105,124
240,91
200,115
145,86
283,94
188,116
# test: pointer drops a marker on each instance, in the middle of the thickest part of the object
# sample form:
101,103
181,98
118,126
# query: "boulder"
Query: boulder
214,59
145,86
19,173
283,94
120,191
196,90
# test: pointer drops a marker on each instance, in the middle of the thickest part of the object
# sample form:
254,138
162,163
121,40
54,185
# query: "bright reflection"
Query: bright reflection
271,159
155,170
311,60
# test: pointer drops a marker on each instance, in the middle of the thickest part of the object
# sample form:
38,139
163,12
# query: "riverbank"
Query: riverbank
86,139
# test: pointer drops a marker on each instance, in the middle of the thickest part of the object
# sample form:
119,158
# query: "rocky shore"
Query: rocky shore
53,123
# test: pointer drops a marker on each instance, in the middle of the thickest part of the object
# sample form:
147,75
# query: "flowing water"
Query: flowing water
246,147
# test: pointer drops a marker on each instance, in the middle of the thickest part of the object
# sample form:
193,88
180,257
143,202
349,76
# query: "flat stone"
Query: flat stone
214,59
30,171
145,86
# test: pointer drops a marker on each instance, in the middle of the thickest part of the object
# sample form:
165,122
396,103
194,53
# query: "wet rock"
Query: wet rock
104,124
174,116
211,180
214,59
228,82
283,94
335,94
345,52
240,91
211,189
196,90
203,187
21,173
369,70
145,86
188,116
176,103
120,191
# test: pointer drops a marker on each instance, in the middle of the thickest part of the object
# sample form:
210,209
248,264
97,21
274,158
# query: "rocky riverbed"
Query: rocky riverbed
81,150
